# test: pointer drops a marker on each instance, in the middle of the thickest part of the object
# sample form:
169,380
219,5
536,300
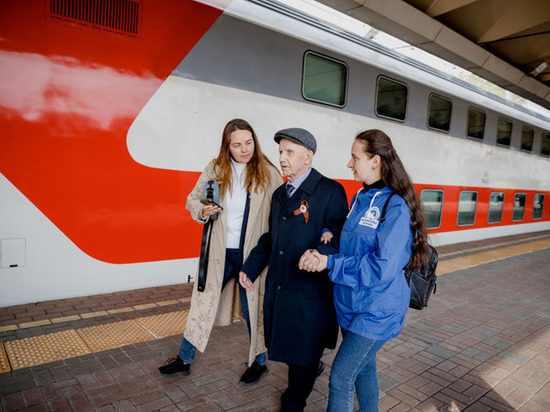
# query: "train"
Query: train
110,110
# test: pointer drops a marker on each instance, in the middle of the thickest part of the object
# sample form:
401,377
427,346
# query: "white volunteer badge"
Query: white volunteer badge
371,217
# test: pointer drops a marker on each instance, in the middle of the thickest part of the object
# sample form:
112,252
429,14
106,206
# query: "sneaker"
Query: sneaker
175,365
320,368
253,373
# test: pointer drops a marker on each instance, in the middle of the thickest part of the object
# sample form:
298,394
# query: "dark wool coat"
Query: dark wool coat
299,315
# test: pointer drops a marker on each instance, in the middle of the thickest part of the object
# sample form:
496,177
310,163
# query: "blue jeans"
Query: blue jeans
354,366
231,270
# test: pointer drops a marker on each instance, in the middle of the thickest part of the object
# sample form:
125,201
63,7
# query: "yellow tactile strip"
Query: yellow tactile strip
113,335
4,364
36,350
165,325
89,315
464,262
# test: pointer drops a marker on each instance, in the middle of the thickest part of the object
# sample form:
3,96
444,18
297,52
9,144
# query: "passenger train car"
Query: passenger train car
110,109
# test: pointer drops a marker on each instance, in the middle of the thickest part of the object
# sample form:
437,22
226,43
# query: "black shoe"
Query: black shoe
175,365
253,373
320,368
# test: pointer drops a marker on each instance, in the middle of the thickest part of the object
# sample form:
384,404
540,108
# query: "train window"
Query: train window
519,207
439,113
538,205
527,139
545,144
504,132
324,80
476,123
467,203
432,203
496,206
391,99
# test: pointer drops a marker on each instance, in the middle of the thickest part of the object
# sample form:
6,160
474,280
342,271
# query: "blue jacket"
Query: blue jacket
371,294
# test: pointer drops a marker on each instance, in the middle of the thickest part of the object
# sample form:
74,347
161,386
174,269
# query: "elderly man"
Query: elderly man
299,316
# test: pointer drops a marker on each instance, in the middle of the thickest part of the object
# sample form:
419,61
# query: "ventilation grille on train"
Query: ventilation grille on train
119,16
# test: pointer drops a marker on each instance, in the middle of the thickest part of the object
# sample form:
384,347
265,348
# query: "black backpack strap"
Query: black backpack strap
205,253
383,215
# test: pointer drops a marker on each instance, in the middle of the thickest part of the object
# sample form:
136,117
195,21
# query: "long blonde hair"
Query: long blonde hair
257,173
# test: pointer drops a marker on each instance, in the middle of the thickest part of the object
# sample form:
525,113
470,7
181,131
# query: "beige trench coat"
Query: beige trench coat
210,307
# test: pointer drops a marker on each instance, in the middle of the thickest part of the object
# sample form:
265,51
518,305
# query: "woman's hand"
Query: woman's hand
312,261
327,237
245,281
209,210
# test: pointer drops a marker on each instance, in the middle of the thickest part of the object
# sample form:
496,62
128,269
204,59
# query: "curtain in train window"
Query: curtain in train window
439,115
496,206
519,207
432,203
545,144
324,80
466,208
527,139
391,99
476,123
538,205
504,132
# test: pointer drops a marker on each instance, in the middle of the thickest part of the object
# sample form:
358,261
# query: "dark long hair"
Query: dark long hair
376,142
257,174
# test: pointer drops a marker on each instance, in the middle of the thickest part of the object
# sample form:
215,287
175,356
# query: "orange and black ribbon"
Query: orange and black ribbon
303,209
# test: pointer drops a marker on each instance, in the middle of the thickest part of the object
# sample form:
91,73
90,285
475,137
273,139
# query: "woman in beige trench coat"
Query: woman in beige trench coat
245,176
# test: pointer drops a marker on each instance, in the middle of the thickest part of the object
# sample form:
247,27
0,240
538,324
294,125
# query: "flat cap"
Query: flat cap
297,135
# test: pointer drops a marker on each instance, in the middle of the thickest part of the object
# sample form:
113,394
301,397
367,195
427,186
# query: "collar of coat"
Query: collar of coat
308,186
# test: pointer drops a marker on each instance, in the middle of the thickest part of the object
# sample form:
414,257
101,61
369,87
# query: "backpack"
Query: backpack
423,281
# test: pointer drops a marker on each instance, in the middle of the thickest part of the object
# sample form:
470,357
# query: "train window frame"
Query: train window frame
541,206
397,82
304,79
523,130
429,114
501,208
504,120
458,208
440,209
544,136
514,206
470,136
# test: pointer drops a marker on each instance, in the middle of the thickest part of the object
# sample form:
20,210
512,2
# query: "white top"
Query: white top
235,204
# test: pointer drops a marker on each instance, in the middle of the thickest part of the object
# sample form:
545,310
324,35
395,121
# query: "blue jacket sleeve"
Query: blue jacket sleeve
390,254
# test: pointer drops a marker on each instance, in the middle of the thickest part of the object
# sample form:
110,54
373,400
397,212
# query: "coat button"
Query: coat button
281,252
279,287
283,218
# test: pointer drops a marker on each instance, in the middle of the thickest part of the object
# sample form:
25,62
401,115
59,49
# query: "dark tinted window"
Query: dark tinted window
538,205
466,208
504,132
391,99
324,80
496,206
519,207
432,202
439,113
545,144
476,123
527,139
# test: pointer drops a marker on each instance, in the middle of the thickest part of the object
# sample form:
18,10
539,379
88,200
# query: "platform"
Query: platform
483,344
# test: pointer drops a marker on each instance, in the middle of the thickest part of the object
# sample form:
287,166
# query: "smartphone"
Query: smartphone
210,202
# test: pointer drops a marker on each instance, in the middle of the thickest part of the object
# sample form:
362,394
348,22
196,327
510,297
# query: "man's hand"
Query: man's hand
245,281
312,261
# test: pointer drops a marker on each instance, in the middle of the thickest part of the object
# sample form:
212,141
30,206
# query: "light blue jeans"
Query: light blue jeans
232,268
354,367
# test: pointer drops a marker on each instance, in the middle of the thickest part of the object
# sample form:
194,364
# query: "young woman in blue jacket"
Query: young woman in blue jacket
371,294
